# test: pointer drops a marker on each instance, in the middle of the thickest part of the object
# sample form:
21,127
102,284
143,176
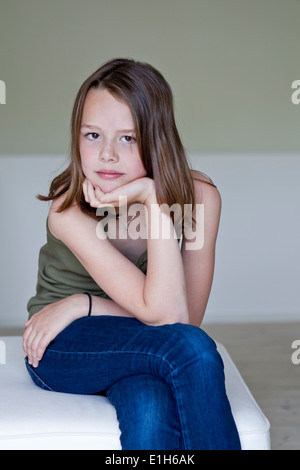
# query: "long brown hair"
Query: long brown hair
150,100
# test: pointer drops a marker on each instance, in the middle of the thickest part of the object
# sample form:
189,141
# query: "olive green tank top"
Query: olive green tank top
60,274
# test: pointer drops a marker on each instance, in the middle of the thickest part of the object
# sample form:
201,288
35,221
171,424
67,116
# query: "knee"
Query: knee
192,343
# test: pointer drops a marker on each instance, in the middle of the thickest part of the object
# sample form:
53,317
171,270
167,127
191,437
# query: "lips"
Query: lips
109,174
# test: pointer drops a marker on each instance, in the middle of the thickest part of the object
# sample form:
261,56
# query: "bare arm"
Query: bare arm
101,306
199,264
152,298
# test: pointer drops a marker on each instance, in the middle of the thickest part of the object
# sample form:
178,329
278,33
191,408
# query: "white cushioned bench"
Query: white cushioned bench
35,419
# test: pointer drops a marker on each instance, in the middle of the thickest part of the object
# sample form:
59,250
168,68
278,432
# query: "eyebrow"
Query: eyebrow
91,126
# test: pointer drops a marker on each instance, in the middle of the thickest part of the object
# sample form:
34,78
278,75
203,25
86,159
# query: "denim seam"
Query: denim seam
179,401
77,353
33,372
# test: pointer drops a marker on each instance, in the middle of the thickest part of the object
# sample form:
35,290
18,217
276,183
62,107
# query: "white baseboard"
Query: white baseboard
244,318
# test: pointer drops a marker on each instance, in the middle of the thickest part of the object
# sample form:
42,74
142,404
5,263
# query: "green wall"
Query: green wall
230,63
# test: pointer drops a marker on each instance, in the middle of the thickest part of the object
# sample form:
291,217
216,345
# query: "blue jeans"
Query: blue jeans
166,382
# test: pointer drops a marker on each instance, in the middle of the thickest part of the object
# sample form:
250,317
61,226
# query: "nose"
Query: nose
107,152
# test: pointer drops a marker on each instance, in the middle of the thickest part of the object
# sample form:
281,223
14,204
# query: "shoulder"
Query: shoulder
208,199
62,222
206,192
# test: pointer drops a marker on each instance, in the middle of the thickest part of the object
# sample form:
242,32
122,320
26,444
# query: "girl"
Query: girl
118,311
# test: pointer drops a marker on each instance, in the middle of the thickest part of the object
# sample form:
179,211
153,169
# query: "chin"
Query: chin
108,186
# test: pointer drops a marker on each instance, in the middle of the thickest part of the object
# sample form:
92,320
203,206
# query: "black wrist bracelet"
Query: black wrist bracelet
90,305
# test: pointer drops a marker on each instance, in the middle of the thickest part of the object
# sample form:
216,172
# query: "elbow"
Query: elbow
179,315
168,316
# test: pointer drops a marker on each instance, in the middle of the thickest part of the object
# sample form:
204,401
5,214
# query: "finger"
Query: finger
28,333
115,198
110,197
32,357
100,194
28,346
85,191
25,339
41,348
94,202
38,347
27,323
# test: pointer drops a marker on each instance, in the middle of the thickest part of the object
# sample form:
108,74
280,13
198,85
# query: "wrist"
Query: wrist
90,303
150,196
80,306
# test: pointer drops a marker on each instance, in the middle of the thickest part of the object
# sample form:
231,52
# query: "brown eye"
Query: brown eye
128,139
92,136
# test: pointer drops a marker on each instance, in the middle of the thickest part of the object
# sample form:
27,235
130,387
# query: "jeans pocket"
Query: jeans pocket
35,377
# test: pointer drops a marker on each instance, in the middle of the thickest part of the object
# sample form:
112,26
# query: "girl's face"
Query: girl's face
109,152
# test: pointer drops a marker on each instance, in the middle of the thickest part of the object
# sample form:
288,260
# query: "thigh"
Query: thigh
93,353
147,413
87,356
